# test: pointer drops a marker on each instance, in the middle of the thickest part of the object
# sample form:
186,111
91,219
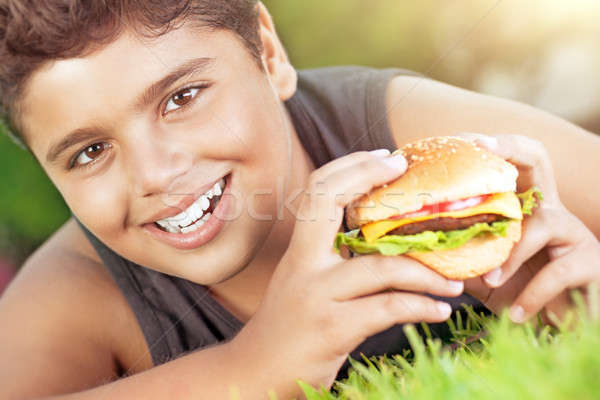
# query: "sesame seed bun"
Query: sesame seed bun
440,169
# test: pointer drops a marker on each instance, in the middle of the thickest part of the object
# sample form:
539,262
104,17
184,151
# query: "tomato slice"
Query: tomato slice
447,206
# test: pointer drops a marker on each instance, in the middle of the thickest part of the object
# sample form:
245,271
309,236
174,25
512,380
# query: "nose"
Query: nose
156,161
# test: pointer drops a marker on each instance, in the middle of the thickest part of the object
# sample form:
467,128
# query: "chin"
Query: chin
221,260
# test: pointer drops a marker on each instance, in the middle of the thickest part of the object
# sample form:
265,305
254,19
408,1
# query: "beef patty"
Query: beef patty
444,224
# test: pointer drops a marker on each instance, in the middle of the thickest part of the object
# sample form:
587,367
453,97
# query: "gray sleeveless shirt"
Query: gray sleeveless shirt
336,111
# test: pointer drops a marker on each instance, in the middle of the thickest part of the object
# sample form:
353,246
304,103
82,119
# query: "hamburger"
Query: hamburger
455,209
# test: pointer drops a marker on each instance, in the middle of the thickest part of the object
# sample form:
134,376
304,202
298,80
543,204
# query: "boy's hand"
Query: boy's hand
318,306
556,253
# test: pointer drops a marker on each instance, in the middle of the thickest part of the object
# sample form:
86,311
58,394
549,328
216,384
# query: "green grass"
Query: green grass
490,358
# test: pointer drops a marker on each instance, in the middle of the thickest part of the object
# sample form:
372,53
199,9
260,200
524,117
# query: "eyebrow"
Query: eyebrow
190,67
73,138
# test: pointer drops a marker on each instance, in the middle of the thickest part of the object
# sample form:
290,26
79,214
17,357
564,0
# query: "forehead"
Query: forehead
65,94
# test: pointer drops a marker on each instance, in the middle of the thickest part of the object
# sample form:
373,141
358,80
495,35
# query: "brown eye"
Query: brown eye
181,99
90,153
94,150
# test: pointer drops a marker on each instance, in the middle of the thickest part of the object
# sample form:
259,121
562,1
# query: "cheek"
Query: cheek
262,142
243,122
100,203
249,128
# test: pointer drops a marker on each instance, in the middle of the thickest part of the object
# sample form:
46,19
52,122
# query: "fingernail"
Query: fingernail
444,309
397,162
380,152
456,286
492,278
516,313
488,141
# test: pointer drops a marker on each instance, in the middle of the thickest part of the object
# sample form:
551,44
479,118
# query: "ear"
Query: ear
275,60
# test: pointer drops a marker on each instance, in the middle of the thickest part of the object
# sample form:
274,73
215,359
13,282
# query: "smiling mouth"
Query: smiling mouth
196,214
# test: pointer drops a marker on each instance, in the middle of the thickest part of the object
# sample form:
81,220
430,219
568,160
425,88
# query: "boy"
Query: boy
207,184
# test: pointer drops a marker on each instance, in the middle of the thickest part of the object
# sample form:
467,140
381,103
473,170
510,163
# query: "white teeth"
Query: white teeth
204,203
193,227
168,227
179,223
194,212
177,218
217,189
172,229
188,229
187,220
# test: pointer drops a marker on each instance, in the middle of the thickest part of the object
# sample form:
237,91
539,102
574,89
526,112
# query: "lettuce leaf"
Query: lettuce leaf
528,200
392,245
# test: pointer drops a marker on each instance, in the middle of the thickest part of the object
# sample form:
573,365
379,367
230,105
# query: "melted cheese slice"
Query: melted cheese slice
505,204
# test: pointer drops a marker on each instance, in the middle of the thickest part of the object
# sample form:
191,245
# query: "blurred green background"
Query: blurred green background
543,52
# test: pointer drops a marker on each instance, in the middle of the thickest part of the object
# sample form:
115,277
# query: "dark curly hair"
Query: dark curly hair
35,31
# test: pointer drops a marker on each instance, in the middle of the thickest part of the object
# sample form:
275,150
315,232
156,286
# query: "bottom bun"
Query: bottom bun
478,256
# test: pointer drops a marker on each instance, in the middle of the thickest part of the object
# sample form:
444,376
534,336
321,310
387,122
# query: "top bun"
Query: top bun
440,169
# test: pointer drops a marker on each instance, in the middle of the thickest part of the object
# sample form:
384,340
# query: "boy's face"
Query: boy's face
160,122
